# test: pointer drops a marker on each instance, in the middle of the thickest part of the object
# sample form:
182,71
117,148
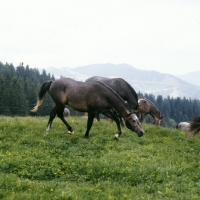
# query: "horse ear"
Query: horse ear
128,114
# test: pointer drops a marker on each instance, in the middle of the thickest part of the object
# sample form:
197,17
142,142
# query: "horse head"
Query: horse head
158,121
132,122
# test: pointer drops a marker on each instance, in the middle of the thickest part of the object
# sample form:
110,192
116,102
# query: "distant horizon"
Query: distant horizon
115,64
40,69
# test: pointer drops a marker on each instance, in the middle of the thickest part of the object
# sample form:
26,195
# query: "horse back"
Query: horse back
144,105
79,95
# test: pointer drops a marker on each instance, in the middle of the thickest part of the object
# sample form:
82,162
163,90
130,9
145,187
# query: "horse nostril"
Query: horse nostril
140,134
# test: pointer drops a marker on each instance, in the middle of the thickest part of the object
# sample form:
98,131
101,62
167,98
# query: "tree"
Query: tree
18,102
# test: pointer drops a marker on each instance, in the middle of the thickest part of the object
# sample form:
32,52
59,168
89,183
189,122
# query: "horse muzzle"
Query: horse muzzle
135,128
140,134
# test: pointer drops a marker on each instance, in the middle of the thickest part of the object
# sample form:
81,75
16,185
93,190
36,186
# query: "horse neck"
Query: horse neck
154,112
120,107
118,104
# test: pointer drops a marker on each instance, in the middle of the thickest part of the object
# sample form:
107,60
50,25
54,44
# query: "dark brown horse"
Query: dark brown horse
147,107
194,127
121,87
92,97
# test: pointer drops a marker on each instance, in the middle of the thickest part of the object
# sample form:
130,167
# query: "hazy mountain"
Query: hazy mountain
66,72
193,77
141,80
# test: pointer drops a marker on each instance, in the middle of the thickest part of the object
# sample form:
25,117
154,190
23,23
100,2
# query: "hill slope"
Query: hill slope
162,164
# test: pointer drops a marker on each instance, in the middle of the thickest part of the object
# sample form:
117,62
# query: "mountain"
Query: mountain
193,77
151,82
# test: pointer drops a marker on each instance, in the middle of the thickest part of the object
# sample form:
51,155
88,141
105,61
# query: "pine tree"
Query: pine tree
18,102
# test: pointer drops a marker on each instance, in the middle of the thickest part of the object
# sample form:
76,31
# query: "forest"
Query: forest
19,87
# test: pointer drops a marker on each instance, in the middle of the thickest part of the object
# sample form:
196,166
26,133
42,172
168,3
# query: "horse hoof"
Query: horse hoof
71,132
117,136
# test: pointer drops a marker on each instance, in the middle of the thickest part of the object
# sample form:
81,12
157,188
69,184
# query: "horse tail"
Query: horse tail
43,89
194,127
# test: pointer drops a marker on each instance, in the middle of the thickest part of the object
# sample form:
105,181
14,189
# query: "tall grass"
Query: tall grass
163,164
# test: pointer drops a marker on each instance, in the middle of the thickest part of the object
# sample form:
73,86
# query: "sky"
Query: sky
160,35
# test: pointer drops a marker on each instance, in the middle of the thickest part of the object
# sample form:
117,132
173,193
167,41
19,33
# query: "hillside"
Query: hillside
142,81
163,164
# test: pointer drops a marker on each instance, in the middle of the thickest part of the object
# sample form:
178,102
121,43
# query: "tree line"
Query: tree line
19,87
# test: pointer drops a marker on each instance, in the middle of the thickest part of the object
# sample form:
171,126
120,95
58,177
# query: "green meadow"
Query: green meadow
163,164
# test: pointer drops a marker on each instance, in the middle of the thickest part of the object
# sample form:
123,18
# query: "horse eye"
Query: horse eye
134,120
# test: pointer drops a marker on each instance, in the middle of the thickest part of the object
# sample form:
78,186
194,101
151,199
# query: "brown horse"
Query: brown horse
121,87
147,107
92,97
194,127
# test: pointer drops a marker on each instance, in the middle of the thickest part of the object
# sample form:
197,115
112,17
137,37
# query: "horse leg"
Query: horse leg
89,123
51,118
121,121
141,117
120,118
61,116
111,115
97,117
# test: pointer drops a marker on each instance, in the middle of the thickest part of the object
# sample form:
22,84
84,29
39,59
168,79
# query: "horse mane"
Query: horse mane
194,126
109,88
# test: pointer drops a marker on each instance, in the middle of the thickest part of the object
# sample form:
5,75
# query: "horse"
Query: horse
147,107
121,87
194,127
66,112
183,126
91,97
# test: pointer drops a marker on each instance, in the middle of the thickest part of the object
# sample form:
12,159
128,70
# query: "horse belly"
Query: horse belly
81,107
87,106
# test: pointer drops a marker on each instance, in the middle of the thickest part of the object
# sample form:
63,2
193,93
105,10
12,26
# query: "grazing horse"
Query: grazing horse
194,127
66,112
121,87
183,126
91,97
147,107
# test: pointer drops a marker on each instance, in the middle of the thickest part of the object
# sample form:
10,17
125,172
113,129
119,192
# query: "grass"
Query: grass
163,164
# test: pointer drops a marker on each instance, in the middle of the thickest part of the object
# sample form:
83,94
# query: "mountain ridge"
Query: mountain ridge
144,81
192,77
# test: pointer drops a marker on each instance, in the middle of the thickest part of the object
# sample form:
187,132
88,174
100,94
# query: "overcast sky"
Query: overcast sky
161,35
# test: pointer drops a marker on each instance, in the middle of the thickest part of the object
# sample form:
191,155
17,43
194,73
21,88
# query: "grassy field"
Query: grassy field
163,164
